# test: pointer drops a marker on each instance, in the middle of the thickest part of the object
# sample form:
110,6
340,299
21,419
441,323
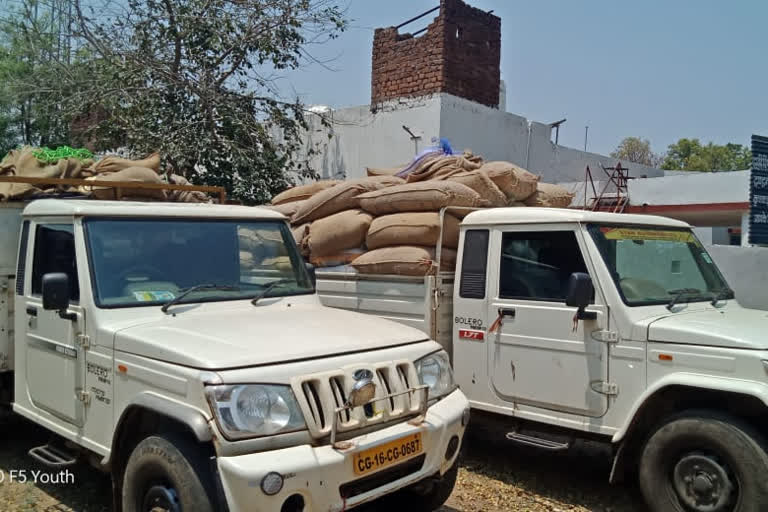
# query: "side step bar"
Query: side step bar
537,442
52,457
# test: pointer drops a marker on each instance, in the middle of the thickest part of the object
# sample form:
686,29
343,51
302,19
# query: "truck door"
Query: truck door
539,356
55,363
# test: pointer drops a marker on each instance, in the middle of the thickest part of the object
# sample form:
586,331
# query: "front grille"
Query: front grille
320,395
384,477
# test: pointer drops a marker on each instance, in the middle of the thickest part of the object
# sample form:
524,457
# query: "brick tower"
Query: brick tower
459,54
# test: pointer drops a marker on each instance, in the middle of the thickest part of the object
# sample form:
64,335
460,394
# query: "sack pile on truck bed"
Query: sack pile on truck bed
66,162
390,222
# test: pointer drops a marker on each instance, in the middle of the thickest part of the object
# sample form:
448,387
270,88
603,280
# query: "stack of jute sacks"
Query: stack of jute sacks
390,222
27,162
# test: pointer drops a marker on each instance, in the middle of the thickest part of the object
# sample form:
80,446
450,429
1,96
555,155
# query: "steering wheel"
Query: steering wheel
143,270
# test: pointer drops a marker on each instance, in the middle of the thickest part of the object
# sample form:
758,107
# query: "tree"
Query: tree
637,150
691,155
29,46
194,80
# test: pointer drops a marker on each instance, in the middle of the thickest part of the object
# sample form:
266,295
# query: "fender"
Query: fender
187,415
756,389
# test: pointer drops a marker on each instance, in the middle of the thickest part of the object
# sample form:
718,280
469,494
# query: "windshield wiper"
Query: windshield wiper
268,288
204,286
679,294
719,295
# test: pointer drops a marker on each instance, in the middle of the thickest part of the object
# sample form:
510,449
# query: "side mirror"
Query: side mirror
56,291
580,292
312,276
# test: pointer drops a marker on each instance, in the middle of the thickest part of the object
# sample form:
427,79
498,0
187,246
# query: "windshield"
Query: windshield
139,262
653,265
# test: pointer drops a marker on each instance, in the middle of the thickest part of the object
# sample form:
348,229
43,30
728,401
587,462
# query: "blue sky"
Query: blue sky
656,69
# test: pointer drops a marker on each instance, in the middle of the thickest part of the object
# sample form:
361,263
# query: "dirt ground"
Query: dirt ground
495,476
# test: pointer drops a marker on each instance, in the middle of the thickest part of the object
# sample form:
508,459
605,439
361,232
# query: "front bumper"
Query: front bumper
318,473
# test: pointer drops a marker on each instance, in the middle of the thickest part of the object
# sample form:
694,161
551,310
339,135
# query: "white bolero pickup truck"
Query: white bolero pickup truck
183,348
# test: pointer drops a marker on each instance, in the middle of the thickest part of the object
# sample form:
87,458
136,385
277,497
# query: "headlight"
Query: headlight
255,410
435,371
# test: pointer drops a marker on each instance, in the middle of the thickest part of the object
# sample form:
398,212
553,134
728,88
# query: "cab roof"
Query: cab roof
87,208
531,215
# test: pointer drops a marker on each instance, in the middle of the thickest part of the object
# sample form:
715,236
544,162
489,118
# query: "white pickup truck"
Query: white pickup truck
566,324
183,348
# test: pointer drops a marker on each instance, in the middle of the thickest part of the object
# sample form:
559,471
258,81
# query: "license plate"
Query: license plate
385,455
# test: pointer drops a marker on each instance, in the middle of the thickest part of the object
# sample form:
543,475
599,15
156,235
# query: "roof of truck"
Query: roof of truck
528,215
87,207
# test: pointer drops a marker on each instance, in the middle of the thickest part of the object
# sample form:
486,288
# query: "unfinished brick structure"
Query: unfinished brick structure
459,54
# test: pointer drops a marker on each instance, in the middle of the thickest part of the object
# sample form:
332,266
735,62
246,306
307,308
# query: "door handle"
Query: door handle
507,312
510,312
31,311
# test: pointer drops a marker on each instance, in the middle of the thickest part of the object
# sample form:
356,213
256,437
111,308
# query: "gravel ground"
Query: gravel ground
495,476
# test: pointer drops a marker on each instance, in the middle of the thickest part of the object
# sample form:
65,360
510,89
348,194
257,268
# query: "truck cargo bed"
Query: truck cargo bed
425,303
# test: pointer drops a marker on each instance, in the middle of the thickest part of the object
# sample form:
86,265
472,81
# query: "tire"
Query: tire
169,471
431,498
702,461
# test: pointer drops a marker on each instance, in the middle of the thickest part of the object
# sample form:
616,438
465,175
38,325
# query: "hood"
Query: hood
242,336
731,326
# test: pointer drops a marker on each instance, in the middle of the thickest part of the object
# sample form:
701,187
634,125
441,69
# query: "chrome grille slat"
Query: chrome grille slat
321,395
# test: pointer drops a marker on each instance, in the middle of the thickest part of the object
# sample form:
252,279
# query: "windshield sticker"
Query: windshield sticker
153,296
706,257
648,234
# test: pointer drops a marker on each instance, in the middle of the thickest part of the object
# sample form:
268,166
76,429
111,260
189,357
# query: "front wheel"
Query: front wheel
704,462
167,474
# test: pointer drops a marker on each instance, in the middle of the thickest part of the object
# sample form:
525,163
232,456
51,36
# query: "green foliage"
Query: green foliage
29,50
691,155
636,150
51,156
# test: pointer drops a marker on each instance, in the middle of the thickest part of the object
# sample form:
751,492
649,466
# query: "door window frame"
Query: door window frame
495,246
32,248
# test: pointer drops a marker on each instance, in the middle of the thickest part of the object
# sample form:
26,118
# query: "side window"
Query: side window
537,265
474,264
55,252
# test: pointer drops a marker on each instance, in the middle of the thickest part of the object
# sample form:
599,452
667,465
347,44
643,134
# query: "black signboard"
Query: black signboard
758,192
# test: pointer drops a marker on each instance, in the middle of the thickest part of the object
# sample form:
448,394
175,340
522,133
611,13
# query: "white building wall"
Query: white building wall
692,188
356,138
746,271
364,139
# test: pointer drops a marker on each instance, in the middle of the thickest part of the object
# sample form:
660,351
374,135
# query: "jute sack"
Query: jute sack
299,233
140,174
417,228
337,233
482,184
553,196
423,196
514,181
375,171
22,162
281,263
334,260
110,164
287,209
404,260
441,166
185,196
303,191
341,197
